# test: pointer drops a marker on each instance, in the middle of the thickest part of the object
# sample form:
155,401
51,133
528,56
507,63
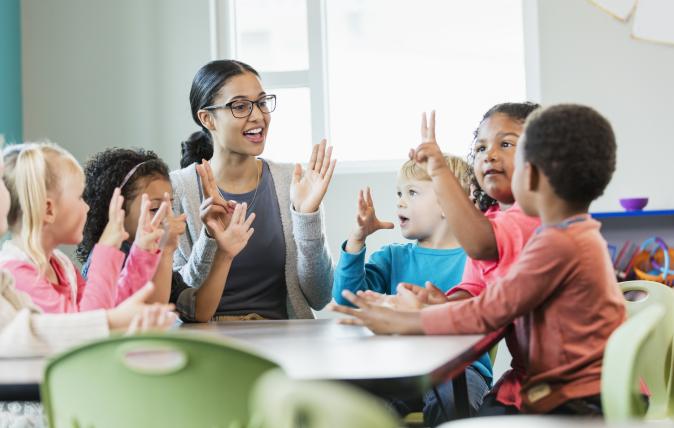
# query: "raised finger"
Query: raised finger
113,207
312,159
143,218
320,153
326,161
249,220
424,126
160,215
430,134
369,197
331,170
205,188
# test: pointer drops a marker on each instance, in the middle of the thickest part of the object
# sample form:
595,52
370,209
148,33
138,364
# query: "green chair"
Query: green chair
640,294
279,402
638,350
167,380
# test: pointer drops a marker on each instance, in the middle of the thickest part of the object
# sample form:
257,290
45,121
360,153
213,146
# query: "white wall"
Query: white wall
589,57
100,73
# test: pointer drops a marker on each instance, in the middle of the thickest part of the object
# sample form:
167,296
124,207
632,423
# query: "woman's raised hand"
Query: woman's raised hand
309,186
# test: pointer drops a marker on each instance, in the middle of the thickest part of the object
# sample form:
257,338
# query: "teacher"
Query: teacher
285,270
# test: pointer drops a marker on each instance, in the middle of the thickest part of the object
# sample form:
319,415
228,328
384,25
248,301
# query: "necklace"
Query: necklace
257,185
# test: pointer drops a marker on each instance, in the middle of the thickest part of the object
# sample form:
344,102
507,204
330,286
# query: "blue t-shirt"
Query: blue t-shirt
397,263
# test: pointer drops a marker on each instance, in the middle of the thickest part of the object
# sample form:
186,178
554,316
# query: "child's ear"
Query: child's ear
50,211
206,119
533,177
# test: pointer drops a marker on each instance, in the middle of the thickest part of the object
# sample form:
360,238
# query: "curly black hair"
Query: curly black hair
104,172
574,146
516,111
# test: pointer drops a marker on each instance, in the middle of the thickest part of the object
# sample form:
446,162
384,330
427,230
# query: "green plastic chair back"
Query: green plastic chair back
641,294
162,380
640,349
279,402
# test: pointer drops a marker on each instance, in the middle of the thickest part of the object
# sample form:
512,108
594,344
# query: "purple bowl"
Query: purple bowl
634,204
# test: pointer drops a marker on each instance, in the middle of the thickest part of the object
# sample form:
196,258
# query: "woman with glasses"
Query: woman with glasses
285,270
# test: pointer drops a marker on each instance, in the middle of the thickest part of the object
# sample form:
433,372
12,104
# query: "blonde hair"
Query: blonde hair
37,170
459,167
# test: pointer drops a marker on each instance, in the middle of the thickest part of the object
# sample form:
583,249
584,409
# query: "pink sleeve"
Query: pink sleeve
472,281
140,267
100,289
543,263
512,229
41,292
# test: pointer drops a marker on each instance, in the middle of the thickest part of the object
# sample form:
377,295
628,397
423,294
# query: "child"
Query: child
436,251
144,173
562,287
25,331
47,182
435,256
493,239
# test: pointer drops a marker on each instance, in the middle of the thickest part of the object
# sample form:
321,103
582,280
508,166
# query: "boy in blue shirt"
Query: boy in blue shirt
435,256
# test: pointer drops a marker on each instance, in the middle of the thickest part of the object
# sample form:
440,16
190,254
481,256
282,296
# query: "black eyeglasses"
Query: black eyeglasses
244,108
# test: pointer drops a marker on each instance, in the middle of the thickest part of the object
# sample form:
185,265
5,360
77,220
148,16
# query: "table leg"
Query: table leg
20,393
460,387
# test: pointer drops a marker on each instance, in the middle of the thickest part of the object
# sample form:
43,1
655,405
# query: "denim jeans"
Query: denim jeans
431,407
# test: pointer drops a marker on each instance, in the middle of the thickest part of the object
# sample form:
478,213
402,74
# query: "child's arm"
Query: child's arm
469,225
351,272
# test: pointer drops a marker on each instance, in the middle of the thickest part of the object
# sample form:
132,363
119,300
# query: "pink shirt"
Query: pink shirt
105,288
512,229
564,300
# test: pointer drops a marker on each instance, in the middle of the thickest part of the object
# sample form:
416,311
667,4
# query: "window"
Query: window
375,66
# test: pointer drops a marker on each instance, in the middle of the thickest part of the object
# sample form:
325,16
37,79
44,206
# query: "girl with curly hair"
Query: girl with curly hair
142,175
47,184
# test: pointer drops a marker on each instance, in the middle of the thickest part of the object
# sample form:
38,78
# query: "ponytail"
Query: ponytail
32,181
37,172
197,147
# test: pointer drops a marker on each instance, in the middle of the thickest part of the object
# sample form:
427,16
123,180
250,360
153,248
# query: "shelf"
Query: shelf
615,214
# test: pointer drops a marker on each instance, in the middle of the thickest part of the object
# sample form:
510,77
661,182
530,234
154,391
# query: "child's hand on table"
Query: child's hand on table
379,319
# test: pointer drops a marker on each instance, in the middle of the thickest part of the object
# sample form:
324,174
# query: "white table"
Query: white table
317,349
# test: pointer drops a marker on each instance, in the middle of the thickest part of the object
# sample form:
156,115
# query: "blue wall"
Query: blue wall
11,124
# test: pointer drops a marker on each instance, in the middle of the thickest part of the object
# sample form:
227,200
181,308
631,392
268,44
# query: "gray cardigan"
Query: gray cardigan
308,266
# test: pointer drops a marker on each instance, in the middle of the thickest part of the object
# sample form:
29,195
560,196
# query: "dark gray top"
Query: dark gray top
256,280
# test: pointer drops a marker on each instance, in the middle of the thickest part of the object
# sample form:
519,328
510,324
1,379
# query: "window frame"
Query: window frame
223,43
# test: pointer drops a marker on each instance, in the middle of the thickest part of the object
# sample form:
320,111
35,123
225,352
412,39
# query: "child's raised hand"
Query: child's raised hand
233,238
308,187
428,151
367,222
114,233
150,228
175,226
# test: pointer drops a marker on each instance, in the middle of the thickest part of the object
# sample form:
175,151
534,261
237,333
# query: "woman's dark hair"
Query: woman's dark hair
104,172
515,111
205,86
